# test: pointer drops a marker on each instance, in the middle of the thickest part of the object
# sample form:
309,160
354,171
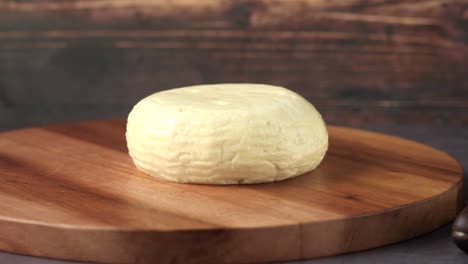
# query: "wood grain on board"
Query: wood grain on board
358,61
71,192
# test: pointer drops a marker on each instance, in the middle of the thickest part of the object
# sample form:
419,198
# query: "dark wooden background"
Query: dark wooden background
358,61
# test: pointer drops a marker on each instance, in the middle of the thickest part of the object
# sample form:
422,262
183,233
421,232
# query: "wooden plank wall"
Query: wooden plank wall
358,61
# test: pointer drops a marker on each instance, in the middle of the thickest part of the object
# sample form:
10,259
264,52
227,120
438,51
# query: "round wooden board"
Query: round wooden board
71,192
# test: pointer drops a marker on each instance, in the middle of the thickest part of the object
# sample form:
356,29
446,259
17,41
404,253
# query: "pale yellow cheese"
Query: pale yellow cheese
226,134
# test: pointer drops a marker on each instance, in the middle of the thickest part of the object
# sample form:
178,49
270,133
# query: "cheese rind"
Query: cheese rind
226,134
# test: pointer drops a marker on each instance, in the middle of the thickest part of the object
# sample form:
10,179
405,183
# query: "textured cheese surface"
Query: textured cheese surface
226,134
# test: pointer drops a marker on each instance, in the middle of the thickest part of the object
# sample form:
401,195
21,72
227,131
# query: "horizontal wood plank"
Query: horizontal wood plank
115,52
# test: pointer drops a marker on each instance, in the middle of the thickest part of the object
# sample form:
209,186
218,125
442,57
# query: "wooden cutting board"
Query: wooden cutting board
71,192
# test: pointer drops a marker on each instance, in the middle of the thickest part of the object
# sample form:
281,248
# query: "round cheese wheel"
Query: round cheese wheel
226,134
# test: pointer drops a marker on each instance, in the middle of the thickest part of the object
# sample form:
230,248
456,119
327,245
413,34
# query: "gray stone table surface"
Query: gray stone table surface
432,248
